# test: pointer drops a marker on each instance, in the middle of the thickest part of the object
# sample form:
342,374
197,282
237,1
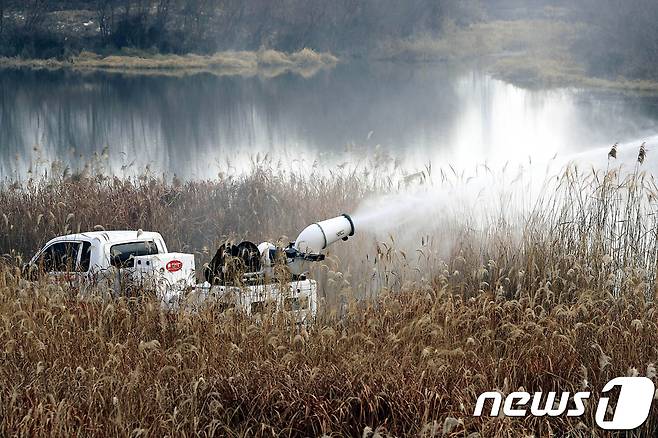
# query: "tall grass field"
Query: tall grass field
515,288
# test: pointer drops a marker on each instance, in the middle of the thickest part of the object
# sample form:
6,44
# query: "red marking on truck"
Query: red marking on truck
174,265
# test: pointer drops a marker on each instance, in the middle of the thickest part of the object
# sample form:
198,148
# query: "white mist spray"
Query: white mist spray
481,198
427,207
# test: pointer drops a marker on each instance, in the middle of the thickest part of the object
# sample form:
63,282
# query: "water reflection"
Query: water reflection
194,126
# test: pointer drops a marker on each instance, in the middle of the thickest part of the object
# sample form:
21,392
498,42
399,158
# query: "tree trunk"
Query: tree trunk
162,12
2,16
126,9
105,15
35,11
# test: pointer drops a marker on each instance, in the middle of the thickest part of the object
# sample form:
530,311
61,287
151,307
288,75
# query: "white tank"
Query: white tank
318,236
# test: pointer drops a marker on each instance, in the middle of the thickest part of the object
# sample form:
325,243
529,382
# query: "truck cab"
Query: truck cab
85,254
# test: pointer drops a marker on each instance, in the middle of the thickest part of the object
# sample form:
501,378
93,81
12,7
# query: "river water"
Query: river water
197,126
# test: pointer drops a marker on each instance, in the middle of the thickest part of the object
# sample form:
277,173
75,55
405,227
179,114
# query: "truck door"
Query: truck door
65,261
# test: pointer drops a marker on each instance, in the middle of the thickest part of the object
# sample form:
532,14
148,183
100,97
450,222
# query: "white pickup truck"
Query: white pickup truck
126,262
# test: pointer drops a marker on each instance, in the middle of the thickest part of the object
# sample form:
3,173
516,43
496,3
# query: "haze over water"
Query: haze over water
196,126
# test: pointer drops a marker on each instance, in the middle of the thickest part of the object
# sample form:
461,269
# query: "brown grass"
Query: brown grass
562,300
267,63
405,363
191,215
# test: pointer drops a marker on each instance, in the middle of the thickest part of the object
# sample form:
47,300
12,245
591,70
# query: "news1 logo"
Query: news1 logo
633,404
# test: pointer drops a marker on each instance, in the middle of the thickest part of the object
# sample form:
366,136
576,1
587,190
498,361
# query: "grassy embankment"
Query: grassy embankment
561,299
532,53
267,63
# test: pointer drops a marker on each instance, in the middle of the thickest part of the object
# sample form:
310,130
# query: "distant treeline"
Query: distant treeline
621,36
46,28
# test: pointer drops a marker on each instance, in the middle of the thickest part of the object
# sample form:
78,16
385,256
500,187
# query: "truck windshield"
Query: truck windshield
121,255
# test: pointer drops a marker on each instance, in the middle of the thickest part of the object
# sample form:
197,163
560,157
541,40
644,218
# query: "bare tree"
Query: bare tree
265,18
142,9
127,8
162,12
199,13
313,15
35,13
105,16
231,14
2,15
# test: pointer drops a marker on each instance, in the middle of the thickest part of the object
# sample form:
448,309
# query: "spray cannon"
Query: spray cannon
314,239
255,262
318,236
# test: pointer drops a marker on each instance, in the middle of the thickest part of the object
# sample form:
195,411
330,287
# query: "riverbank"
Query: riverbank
530,53
539,53
267,63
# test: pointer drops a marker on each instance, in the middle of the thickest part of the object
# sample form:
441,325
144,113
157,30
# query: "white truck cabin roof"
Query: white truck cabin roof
109,237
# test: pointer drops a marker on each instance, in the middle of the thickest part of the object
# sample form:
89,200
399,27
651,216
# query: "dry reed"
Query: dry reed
267,63
561,300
